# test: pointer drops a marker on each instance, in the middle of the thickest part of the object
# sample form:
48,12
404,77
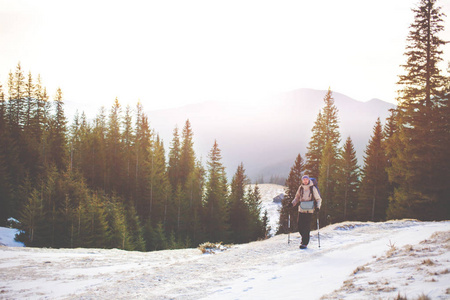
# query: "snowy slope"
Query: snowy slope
7,236
355,261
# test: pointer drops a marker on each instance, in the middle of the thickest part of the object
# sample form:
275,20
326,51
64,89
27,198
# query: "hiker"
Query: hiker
310,201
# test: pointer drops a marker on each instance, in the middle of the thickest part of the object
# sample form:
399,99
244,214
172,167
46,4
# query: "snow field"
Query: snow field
352,263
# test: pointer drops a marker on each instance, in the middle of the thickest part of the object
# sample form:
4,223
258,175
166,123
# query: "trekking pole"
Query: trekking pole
318,232
289,228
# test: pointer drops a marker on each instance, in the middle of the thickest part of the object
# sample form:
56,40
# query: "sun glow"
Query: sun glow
173,53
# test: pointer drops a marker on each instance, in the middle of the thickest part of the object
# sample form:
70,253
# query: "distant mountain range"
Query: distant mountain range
268,137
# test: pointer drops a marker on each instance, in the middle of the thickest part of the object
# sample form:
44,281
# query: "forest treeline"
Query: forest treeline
406,167
109,182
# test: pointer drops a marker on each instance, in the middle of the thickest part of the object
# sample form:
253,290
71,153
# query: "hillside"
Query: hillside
268,137
355,261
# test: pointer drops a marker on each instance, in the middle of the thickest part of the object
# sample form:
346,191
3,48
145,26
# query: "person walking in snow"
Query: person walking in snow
310,201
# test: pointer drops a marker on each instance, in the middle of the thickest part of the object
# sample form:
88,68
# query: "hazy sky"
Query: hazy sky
170,53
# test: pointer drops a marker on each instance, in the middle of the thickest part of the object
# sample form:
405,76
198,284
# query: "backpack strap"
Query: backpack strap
311,190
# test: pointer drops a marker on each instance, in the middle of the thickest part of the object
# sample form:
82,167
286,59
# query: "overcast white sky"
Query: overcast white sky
170,53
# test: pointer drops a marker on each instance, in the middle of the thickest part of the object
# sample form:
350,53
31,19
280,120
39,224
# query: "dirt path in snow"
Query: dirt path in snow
243,271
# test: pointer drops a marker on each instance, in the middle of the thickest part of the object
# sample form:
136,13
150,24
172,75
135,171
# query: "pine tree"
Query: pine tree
58,142
29,100
187,155
323,152
374,191
31,218
239,214
136,229
5,180
143,146
195,185
174,160
16,103
74,142
114,151
160,189
347,183
315,148
292,184
186,180
420,167
127,141
215,214
117,220
257,226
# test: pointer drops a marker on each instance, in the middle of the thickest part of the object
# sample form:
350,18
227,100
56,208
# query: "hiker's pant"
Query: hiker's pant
304,226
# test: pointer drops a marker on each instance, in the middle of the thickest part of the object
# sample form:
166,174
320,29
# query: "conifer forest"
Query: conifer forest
112,182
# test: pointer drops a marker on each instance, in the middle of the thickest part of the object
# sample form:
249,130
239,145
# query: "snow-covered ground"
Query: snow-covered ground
355,261
7,236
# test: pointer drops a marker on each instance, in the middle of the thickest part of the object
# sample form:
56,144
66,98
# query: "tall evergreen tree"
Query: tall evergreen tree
5,181
347,183
187,155
420,166
323,152
114,150
160,189
195,187
174,160
186,180
143,146
315,148
215,214
257,225
239,215
58,141
127,141
374,191
16,103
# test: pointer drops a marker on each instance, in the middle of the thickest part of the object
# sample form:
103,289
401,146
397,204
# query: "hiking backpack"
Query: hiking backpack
316,184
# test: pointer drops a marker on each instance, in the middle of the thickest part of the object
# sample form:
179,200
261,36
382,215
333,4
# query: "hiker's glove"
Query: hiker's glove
316,210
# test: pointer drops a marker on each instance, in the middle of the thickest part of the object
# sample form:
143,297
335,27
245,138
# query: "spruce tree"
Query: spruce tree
239,214
58,131
174,160
374,191
16,103
187,155
323,153
127,141
215,214
420,165
114,151
186,179
5,180
160,189
143,146
347,183
196,184
315,148
257,226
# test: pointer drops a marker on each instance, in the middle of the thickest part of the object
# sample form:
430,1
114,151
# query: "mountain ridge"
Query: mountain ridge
267,137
